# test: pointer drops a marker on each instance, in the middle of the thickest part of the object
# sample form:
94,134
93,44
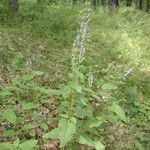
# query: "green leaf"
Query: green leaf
28,105
28,145
50,91
38,73
16,143
54,134
66,91
5,93
6,146
119,111
29,126
138,145
83,100
109,86
27,77
76,87
10,116
64,132
10,133
80,112
92,123
44,126
96,144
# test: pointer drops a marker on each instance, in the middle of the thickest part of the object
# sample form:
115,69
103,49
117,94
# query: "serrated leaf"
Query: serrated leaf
64,132
6,146
119,111
28,105
10,116
96,144
28,145
109,86
80,112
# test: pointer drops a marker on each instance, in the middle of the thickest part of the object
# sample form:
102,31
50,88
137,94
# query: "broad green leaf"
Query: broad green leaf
80,112
93,122
29,126
44,126
83,100
76,87
119,111
66,91
28,105
54,134
64,132
16,143
109,86
27,77
10,133
6,146
28,145
83,140
50,91
96,144
10,116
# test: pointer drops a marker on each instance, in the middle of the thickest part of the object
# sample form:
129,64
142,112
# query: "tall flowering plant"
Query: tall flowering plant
76,109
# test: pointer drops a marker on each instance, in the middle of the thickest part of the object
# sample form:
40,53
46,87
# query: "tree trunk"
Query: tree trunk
140,4
94,3
74,2
128,4
148,6
14,6
114,3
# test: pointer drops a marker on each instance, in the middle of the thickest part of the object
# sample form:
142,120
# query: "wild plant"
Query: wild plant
76,110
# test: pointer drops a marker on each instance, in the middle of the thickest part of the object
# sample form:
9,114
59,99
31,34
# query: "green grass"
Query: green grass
41,40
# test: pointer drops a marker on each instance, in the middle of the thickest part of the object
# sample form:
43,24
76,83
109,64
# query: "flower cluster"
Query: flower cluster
79,45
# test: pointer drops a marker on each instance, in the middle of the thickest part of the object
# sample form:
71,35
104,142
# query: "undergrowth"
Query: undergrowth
92,94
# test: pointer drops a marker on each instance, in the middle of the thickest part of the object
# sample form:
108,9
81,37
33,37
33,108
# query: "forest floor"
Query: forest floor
35,54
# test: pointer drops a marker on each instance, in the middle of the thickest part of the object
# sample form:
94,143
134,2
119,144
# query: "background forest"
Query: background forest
74,74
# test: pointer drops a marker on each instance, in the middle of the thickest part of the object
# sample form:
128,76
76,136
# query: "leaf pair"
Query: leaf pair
65,131
27,145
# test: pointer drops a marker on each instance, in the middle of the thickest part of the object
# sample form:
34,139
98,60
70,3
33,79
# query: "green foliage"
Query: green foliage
30,145
105,102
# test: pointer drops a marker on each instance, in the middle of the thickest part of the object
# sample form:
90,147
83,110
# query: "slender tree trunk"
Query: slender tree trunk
14,6
74,2
140,4
128,4
114,3
148,6
94,3
103,2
